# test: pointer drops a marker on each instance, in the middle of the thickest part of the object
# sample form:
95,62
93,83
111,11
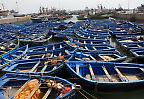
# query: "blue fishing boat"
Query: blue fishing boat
135,43
7,43
50,47
96,47
40,62
131,39
104,76
86,41
93,36
13,55
90,47
97,56
35,39
18,86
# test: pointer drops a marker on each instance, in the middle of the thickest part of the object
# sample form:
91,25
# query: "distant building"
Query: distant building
141,8
4,12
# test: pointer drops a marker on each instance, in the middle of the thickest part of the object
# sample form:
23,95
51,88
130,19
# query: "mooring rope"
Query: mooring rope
89,94
83,95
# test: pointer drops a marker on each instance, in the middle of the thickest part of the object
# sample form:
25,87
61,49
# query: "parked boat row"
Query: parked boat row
86,54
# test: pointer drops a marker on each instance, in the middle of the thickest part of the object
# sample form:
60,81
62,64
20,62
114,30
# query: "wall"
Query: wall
14,20
139,17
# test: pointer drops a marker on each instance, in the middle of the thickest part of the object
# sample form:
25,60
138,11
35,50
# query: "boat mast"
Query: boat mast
17,8
3,6
128,4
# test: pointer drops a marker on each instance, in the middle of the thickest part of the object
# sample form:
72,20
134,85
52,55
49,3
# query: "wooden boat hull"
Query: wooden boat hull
104,86
18,80
28,69
40,62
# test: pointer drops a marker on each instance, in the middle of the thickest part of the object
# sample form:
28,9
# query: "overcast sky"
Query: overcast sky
29,6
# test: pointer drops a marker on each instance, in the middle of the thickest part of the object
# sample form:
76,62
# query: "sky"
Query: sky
31,6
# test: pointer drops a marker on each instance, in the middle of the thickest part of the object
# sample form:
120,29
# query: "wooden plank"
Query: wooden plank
51,55
60,54
91,42
44,68
36,65
139,46
61,46
32,93
142,69
77,69
107,58
53,47
122,77
67,52
14,55
94,48
7,60
46,49
43,56
92,57
92,72
47,93
27,57
107,74
20,51
132,77
78,59
86,48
